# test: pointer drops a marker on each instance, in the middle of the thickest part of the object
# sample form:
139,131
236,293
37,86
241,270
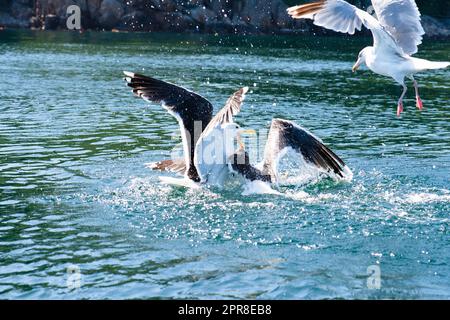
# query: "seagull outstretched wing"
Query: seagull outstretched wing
401,18
341,16
285,134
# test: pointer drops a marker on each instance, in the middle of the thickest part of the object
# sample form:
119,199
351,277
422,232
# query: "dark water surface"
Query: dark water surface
74,191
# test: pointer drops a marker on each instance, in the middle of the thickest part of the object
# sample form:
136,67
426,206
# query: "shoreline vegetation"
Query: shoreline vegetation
191,16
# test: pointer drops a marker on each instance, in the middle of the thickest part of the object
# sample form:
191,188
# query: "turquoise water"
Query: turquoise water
75,193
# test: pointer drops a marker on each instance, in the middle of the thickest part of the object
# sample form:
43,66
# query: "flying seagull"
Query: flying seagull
215,154
397,34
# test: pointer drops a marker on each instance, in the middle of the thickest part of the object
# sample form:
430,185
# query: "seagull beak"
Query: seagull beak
357,65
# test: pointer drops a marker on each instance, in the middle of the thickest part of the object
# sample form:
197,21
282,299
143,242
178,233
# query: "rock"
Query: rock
244,28
178,22
93,7
281,18
20,11
191,3
218,6
435,28
6,20
166,5
136,21
35,23
111,12
227,16
268,16
59,7
224,26
259,13
51,22
203,15
142,5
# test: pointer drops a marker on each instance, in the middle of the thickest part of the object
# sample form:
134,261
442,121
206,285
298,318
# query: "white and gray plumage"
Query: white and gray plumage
397,33
207,142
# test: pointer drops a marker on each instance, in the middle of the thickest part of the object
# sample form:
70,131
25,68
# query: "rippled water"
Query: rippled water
74,190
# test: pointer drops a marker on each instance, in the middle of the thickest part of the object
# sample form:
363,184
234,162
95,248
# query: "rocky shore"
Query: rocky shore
203,16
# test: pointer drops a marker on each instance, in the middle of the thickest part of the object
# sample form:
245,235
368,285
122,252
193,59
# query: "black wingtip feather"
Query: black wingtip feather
311,148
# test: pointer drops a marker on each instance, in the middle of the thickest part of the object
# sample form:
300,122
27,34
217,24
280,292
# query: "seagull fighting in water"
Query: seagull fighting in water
397,34
285,136
215,155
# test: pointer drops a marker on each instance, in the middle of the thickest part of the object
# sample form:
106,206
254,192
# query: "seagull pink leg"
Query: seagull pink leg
400,101
418,100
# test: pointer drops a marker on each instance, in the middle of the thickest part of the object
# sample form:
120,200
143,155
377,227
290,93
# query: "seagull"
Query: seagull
215,155
396,36
286,136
